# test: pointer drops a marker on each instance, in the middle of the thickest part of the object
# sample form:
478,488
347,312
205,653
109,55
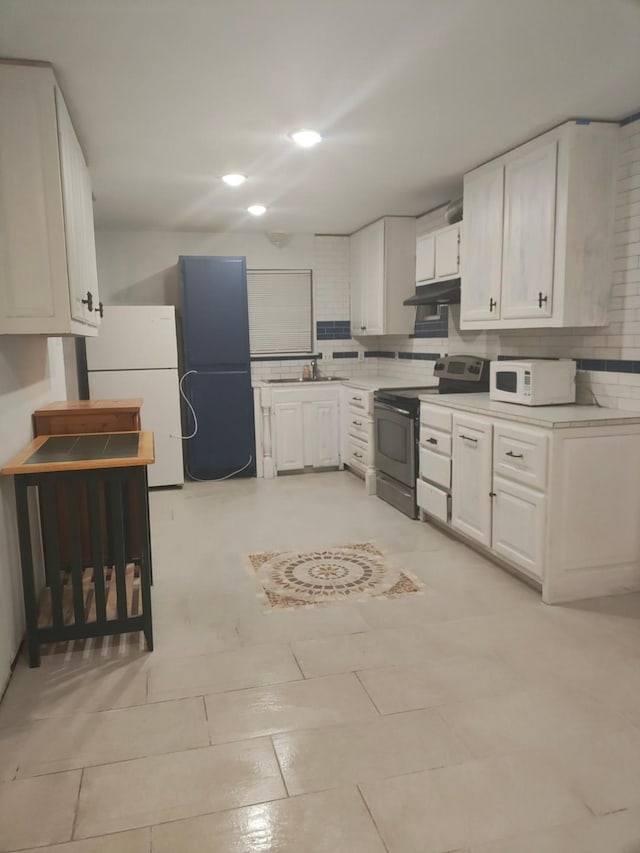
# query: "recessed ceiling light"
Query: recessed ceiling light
256,209
306,138
234,180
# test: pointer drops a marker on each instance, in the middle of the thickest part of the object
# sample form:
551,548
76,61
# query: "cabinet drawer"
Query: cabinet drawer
433,500
435,467
360,426
359,401
435,417
436,441
69,423
359,453
520,454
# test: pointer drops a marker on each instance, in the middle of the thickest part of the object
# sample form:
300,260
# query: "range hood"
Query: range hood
438,293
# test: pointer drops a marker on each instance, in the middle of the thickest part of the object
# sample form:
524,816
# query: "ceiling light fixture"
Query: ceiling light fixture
256,209
306,138
234,180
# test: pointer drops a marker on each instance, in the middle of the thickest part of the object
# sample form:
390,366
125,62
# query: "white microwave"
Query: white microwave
537,382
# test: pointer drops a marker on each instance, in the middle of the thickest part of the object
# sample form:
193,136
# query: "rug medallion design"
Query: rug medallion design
296,578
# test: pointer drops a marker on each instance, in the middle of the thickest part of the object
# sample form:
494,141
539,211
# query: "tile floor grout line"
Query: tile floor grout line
371,699
295,657
77,809
373,820
277,757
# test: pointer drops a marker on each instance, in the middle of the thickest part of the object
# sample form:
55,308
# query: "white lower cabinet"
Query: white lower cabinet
433,500
324,434
357,439
305,428
471,476
289,432
558,504
518,528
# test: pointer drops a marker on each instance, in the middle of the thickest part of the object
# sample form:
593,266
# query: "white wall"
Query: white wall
31,375
140,267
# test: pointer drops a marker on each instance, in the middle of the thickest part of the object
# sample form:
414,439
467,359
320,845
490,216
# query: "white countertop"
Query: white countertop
373,383
368,382
550,417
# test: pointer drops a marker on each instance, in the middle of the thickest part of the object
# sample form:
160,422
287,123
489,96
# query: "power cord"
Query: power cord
194,433
192,410
219,479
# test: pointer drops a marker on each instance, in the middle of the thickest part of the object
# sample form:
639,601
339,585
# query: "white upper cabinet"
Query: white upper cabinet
425,258
529,234
537,232
438,255
47,241
382,276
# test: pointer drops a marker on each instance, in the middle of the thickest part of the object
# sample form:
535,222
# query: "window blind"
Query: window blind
280,314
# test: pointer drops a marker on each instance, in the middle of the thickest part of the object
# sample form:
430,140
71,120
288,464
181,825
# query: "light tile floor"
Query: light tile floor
469,717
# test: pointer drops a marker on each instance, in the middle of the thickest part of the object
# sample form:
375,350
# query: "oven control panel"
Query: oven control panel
467,368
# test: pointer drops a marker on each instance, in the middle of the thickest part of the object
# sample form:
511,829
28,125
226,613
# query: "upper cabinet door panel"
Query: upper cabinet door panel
482,244
78,214
448,252
356,269
31,224
374,283
47,240
529,234
425,258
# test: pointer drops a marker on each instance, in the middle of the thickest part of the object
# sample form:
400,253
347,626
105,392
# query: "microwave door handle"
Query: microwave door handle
388,408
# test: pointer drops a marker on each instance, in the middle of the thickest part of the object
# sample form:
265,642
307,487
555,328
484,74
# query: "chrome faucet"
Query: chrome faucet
314,368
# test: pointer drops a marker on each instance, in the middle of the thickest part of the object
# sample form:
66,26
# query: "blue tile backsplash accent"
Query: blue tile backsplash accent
333,330
345,354
609,365
379,353
629,119
286,357
420,356
438,327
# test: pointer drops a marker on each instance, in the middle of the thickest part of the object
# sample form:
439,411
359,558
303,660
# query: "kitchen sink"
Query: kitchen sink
319,379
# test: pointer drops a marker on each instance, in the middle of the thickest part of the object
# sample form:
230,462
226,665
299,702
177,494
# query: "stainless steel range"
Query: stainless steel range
397,424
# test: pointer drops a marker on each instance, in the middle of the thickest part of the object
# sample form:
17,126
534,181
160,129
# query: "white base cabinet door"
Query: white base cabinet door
518,530
471,477
305,426
289,433
325,434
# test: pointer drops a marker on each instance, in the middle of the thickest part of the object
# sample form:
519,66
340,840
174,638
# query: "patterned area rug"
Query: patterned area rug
296,578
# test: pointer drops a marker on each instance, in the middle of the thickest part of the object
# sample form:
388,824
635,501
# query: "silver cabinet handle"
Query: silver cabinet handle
357,423
357,399
358,455
468,438
514,455
432,440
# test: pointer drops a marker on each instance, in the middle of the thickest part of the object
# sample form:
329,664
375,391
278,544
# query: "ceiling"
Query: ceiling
168,95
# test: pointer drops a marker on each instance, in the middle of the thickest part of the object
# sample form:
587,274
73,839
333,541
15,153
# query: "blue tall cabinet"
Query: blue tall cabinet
215,322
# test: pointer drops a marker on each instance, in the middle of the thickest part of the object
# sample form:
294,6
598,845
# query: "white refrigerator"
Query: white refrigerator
136,355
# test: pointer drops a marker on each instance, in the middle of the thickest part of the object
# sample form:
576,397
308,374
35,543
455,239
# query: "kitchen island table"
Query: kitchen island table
84,600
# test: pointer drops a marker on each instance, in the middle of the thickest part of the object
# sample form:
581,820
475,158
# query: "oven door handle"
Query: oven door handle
387,408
